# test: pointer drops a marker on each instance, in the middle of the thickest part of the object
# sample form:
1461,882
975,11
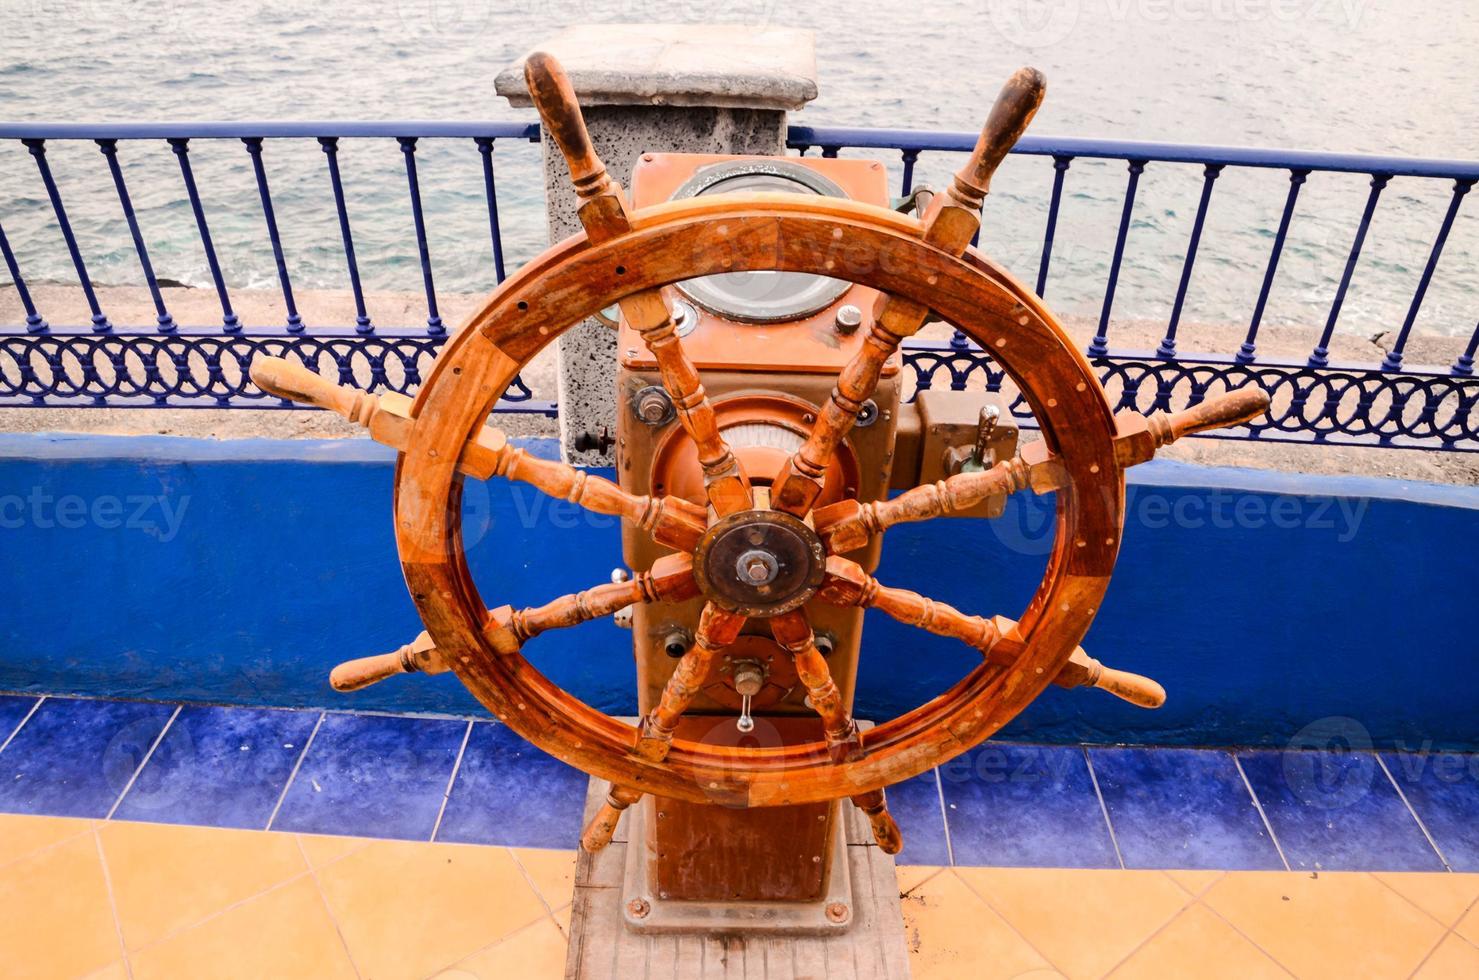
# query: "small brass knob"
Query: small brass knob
849,318
749,678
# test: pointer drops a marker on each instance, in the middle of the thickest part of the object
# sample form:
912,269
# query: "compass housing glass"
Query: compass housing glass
761,296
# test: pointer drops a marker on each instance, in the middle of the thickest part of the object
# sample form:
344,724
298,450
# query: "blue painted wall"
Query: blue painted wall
241,572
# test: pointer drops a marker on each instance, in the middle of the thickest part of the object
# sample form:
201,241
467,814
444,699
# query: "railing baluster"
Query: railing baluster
1320,356
1099,346
1465,363
1060,168
34,323
254,148
908,183
1393,359
485,147
1249,349
1168,343
162,315
433,319
181,146
38,150
330,145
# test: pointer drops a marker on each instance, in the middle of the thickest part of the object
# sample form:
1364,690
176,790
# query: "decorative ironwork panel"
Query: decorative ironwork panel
195,368
1338,405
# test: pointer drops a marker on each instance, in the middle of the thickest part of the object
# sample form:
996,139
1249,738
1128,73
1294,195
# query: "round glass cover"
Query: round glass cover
761,296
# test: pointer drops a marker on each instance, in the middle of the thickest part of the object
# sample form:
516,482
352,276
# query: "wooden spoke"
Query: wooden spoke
847,584
792,631
950,222
997,638
597,833
672,521
847,524
717,628
885,830
603,213
669,580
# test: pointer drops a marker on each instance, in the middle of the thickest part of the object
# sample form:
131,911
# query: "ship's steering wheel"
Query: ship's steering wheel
921,265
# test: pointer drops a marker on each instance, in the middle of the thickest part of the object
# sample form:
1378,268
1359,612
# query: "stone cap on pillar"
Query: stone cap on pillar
679,65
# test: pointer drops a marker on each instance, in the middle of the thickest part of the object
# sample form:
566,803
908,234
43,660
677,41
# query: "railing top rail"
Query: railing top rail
1072,146
249,129
854,137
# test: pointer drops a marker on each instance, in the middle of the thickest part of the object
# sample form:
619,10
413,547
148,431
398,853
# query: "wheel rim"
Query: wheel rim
863,244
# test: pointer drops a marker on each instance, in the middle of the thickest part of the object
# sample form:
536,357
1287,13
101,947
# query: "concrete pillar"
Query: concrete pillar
677,88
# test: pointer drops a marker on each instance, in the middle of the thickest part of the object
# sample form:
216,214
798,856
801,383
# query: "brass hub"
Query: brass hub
760,562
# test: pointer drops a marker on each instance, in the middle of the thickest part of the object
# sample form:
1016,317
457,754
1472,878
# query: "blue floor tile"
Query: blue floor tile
1025,806
509,792
219,767
915,805
1182,808
73,757
1337,811
13,710
1443,788
373,776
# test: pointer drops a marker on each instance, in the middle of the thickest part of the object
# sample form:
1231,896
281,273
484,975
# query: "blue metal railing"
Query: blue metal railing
1387,403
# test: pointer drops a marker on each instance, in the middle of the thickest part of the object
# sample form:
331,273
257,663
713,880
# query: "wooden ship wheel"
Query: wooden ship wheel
755,541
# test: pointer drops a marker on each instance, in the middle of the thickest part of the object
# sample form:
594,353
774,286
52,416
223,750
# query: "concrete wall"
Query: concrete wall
241,571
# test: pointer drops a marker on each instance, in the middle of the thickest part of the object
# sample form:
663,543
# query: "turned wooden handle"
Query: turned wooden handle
885,830
1233,408
353,675
1013,110
1083,670
418,656
291,380
598,832
554,97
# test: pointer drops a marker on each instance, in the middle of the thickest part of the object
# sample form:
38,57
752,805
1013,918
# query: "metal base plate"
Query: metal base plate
724,939
646,909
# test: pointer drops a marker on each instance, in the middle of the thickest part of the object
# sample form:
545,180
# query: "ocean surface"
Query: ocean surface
1369,76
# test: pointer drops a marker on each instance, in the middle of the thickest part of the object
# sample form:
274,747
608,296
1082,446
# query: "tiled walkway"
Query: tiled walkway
132,843
1003,805
89,898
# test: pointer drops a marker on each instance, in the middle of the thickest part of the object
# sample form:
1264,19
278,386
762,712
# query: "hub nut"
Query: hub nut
653,406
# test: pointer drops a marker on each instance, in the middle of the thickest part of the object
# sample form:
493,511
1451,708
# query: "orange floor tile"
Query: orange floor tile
80,898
